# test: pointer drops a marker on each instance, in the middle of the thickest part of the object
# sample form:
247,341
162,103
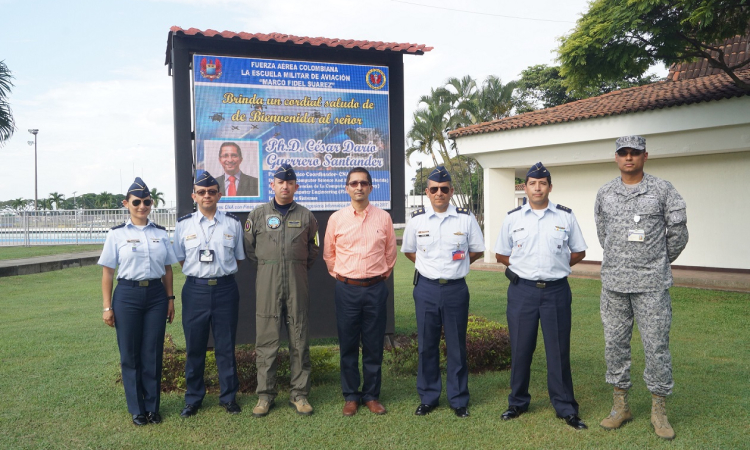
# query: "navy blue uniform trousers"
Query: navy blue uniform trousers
140,321
442,306
207,307
527,306
361,317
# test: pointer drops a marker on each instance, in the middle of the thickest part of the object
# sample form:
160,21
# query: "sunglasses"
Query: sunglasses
210,192
354,184
623,153
137,202
443,189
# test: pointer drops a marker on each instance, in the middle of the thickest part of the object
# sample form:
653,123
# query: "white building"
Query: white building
697,134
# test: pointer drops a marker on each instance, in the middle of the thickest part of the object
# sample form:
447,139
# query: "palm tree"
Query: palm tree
45,204
104,200
18,204
157,197
57,199
7,124
496,99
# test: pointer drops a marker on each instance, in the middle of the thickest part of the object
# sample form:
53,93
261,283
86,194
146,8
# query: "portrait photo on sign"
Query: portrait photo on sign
236,166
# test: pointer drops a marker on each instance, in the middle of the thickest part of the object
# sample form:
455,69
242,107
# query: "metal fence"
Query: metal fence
84,226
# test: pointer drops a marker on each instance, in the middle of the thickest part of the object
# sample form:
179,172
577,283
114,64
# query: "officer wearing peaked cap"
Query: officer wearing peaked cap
281,237
442,241
208,245
539,242
142,303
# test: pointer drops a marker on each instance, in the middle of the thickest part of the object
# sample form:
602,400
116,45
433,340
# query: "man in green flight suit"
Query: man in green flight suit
281,237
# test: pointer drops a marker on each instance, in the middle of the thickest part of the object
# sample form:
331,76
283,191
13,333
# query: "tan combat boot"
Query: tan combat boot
659,418
620,413
262,408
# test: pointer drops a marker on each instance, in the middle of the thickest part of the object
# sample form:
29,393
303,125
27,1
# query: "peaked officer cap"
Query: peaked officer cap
538,171
285,173
634,142
138,189
206,180
439,174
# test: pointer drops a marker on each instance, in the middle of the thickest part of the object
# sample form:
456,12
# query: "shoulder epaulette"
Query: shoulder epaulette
463,211
233,217
564,208
159,226
417,212
514,210
118,226
186,216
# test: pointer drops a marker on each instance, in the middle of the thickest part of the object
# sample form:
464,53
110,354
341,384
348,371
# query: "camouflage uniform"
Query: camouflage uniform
284,247
636,276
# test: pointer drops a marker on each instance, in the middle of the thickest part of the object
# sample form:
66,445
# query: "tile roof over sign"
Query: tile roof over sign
662,94
415,49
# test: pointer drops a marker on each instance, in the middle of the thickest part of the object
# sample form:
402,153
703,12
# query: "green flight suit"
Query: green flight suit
284,248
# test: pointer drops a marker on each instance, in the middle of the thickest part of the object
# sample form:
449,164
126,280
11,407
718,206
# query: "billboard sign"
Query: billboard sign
252,115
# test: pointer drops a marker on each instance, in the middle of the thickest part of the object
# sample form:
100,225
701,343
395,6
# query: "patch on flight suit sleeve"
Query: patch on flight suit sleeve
515,209
564,208
463,211
417,212
248,224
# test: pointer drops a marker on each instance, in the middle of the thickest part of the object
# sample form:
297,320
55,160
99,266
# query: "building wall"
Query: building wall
713,186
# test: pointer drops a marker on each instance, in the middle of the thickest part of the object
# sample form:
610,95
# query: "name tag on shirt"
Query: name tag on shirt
423,233
294,224
636,235
228,237
191,237
134,241
206,256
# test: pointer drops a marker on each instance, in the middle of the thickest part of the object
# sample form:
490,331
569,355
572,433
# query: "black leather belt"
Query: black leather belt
363,282
543,284
211,281
442,281
141,283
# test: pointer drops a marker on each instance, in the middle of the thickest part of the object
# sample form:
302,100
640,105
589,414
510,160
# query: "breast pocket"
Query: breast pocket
229,246
519,240
456,242
425,242
300,244
191,249
131,251
557,241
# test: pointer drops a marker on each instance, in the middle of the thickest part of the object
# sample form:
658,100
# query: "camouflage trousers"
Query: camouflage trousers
653,314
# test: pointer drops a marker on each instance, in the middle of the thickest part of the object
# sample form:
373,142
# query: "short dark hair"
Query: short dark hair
549,180
359,170
230,144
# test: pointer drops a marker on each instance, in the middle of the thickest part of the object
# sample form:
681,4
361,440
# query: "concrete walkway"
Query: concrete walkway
725,281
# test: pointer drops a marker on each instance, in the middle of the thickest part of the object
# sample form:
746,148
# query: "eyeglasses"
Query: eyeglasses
354,184
203,192
443,189
633,152
137,202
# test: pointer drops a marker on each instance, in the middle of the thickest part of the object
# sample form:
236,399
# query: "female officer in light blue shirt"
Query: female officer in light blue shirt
143,301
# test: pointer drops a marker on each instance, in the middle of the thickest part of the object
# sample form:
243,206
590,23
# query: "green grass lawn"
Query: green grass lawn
45,250
59,366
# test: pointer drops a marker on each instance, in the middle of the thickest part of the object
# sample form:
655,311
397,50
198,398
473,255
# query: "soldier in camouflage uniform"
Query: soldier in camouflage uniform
281,237
642,226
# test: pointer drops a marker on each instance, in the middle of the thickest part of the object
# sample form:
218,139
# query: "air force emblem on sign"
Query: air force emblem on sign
211,69
376,79
273,222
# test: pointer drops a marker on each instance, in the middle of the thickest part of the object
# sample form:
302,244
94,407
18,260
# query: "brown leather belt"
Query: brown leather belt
363,282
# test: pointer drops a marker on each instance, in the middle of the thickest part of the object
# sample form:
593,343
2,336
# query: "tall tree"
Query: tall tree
104,200
157,197
57,199
7,124
621,39
19,204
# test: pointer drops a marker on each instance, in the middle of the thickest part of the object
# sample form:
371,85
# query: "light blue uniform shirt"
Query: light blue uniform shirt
540,247
434,240
138,254
223,235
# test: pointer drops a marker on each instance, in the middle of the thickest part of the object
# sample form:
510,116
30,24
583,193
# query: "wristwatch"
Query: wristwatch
171,297
107,309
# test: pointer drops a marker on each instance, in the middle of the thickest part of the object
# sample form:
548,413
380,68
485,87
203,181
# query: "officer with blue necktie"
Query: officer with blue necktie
442,241
208,245
538,243
142,303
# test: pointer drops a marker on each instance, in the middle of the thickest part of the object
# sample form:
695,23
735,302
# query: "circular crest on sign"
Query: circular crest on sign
375,78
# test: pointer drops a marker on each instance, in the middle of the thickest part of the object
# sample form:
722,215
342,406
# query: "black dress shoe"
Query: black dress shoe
462,412
189,410
511,413
423,410
574,421
153,417
139,420
232,407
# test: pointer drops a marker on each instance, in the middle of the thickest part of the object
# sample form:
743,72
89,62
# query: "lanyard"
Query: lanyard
208,239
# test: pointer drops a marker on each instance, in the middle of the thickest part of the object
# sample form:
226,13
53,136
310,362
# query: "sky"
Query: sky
90,75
